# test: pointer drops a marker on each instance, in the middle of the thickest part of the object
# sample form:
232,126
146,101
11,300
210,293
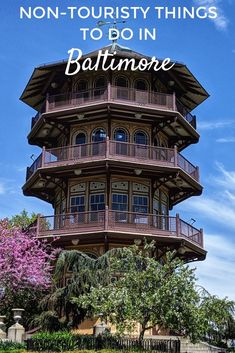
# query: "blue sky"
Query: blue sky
208,49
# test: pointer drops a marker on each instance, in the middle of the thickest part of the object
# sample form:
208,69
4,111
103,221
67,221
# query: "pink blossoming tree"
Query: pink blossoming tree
25,269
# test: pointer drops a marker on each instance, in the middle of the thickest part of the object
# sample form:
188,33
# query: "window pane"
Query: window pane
80,139
97,202
119,202
120,135
141,85
140,204
140,138
98,135
121,81
77,204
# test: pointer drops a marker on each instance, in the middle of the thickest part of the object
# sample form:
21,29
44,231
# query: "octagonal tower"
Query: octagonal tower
111,163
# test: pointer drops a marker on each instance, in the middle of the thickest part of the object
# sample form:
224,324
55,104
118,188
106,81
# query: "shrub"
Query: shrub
13,347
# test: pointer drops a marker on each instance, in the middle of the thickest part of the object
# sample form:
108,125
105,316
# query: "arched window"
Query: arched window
140,138
81,85
81,91
141,85
80,150
98,135
121,81
100,85
122,90
80,138
100,82
120,135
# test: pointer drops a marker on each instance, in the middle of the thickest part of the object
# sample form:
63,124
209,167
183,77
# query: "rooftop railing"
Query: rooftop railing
121,151
130,96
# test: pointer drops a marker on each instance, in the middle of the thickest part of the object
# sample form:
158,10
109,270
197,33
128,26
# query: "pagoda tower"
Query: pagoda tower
111,162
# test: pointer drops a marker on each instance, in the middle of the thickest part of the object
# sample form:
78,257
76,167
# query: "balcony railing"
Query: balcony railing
121,151
35,166
118,221
116,94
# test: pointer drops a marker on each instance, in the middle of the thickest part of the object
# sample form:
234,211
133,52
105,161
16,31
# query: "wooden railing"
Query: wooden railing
35,166
118,221
122,151
128,96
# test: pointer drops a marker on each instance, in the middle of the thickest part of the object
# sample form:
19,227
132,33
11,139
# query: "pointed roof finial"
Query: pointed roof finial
112,25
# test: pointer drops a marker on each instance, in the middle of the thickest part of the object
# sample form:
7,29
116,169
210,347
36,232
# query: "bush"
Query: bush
66,341
11,346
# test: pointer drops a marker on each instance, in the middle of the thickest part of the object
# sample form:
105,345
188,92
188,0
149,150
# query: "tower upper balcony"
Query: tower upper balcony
164,98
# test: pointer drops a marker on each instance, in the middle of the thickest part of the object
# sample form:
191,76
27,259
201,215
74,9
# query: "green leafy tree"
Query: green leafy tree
23,219
84,272
127,286
148,292
218,318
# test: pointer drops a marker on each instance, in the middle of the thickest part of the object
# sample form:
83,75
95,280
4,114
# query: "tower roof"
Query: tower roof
35,90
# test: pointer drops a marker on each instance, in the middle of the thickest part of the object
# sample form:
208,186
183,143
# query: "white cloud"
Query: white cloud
225,178
211,209
219,207
211,125
226,140
2,189
216,273
221,21
217,210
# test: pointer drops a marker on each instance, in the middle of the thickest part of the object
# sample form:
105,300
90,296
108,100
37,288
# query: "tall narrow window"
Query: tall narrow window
120,206
141,91
77,206
81,89
141,141
120,136
139,207
160,209
122,90
100,86
97,206
98,136
80,150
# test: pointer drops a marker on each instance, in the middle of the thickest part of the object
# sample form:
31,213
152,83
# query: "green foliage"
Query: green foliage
13,347
85,272
23,219
12,351
48,320
147,292
151,293
57,341
219,323
64,340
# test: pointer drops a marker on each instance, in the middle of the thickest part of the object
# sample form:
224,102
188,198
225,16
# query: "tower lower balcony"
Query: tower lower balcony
120,227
